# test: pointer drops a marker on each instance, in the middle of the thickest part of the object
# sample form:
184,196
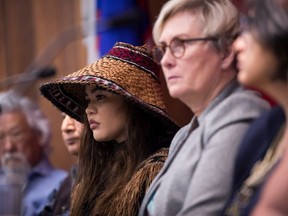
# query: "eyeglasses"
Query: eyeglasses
177,47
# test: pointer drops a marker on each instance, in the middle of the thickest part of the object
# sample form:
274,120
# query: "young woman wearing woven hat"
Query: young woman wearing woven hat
194,39
126,129
262,50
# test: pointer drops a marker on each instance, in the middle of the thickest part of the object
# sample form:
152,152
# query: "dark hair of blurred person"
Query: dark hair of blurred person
262,54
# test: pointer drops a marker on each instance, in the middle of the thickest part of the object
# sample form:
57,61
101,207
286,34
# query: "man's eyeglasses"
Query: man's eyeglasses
177,47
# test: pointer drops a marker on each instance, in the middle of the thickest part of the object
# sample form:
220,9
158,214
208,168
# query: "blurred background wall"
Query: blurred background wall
62,34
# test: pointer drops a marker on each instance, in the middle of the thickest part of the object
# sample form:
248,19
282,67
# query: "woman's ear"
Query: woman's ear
228,58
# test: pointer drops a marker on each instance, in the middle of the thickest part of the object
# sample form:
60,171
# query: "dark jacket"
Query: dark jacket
253,148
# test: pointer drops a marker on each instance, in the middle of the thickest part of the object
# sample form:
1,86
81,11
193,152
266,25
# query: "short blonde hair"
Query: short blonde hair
220,18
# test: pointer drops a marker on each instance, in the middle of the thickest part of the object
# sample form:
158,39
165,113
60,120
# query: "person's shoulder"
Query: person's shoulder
245,102
153,164
56,174
59,171
45,169
60,174
241,106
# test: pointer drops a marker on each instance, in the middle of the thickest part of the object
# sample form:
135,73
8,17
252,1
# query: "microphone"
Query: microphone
35,74
44,72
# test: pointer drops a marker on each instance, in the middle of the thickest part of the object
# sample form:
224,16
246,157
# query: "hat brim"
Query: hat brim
68,95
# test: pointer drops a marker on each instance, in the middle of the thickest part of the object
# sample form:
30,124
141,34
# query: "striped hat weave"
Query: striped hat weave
126,70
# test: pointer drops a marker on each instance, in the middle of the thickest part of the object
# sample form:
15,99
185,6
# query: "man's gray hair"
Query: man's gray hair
11,101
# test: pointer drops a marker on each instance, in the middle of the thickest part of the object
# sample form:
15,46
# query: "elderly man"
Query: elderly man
24,146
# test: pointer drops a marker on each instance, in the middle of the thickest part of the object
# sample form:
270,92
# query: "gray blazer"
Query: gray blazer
197,175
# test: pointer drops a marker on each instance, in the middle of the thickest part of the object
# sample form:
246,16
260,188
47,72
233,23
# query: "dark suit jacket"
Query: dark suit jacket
253,148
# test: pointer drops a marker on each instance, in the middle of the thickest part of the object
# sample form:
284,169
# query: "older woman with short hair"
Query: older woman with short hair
194,47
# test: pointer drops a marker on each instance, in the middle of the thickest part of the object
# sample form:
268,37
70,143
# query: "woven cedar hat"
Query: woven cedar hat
126,70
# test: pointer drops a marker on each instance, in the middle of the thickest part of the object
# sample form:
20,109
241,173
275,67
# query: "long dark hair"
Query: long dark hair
269,21
104,168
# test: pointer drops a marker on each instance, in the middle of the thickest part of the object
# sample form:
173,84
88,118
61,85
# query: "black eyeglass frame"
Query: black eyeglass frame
159,50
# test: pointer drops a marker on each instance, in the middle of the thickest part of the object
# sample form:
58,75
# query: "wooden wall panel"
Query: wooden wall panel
53,18
3,70
17,34
26,30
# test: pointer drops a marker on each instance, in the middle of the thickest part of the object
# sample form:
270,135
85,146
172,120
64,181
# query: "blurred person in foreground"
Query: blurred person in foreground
262,54
60,200
24,147
127,130
194,47
275,195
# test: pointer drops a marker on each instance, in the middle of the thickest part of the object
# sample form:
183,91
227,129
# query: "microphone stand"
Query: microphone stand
27,80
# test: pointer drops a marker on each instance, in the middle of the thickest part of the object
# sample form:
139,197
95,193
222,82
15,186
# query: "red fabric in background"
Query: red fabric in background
238,3
265,96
